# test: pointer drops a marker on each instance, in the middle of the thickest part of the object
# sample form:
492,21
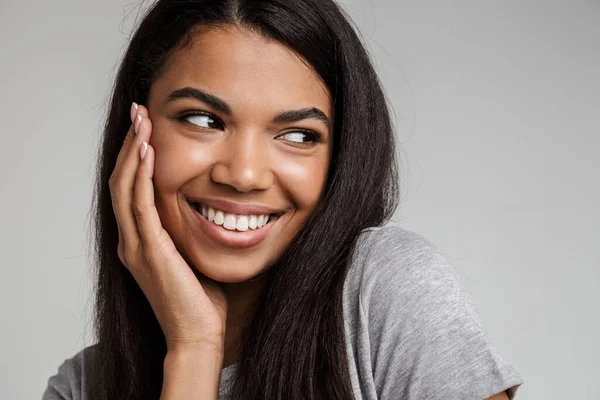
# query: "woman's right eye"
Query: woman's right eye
202,119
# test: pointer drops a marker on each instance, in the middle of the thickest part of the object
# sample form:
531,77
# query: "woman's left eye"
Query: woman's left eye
302,137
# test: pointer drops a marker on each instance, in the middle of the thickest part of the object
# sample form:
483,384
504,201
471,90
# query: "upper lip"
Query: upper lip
235,208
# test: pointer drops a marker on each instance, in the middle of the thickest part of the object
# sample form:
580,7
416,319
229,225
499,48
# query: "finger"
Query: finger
116,191
133,111
130,137
124,177
148,220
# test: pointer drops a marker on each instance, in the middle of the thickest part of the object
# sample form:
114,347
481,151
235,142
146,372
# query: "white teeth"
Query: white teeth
219,218
252,222
262,220
232,221
229,222
242,223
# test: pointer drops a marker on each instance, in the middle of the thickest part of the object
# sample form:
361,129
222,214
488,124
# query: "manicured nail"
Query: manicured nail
143,149
136,126
133,110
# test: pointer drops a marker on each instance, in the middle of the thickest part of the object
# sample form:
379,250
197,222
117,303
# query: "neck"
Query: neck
241,298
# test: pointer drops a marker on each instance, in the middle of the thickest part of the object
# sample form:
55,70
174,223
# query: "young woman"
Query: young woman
246,173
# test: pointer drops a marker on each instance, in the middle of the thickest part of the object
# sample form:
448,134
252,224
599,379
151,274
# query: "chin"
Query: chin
230,269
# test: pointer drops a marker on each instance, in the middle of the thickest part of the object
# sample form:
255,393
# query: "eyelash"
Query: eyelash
183,117
314,136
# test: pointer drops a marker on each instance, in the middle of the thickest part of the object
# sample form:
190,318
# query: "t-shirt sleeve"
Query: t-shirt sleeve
68,382
59,386
427,338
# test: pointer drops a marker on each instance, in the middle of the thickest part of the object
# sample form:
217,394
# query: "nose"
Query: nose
243,163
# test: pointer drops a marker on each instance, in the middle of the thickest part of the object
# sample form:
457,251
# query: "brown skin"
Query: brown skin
200,291
245,157
499,396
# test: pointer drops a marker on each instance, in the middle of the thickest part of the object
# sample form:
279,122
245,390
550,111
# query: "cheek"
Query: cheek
304,179
178,160
169,169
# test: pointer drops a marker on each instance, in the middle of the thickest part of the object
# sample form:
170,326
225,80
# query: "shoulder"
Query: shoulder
391,250
405,301
390,258
399,279
68,383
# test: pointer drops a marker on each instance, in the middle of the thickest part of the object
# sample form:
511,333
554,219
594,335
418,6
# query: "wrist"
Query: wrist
192,373
189,352
214,347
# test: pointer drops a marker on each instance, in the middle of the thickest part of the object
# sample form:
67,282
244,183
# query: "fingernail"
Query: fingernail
137,123
133,110
143,149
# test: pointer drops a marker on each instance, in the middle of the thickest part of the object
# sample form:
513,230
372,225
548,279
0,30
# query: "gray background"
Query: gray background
497,110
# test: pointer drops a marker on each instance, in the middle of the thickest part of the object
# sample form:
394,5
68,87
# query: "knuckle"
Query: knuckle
129,258
138,210
121,254
115,186
128,253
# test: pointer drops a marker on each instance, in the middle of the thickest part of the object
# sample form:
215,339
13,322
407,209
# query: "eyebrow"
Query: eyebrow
221,105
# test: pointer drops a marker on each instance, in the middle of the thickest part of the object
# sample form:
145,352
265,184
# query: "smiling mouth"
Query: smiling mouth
234,222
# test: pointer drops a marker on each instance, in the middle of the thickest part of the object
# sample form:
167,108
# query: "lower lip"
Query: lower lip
234,239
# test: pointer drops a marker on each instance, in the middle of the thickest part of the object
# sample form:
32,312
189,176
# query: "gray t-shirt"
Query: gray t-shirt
412,330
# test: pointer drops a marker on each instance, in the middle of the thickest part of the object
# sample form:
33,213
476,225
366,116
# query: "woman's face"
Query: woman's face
260,146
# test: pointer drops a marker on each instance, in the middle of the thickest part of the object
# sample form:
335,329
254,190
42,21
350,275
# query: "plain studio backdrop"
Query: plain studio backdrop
496,107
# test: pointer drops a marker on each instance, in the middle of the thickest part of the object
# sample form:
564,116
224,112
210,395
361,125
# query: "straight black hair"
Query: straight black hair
294,344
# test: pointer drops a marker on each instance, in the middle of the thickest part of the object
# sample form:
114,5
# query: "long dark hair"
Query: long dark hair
294,344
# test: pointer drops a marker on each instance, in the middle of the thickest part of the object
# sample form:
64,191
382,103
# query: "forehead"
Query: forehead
244,69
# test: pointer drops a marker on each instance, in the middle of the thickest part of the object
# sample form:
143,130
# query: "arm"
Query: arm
192,374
